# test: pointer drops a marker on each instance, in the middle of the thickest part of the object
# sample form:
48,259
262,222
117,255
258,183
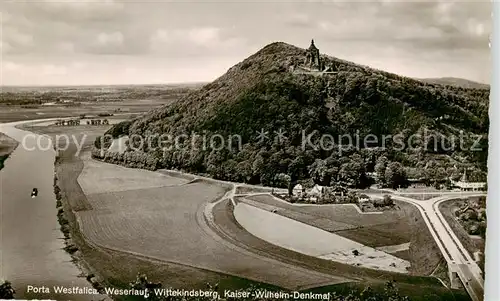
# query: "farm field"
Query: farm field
374,230
229,228
24,103
310,219
17,113
116,268
164,224
339,213
411,285
282,231
99,177
376,236
109,264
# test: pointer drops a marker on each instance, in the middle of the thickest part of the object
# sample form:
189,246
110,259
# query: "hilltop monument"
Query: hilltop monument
313,60
313,64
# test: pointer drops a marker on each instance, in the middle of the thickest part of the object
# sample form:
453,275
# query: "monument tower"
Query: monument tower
313,61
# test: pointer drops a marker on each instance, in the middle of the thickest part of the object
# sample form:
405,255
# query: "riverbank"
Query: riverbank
117,269
7,146
104,267
33,250
64,211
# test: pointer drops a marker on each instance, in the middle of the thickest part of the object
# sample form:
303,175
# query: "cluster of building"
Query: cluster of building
98,122
73,122
316,192
68,122
464,185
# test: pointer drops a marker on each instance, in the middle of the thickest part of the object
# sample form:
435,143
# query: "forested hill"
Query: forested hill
262,93
458,82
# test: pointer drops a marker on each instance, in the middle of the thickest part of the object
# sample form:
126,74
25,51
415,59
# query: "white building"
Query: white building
465,185
364,198
317,191
298,190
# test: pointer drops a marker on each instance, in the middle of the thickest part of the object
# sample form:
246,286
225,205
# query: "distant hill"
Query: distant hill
264,93
459,82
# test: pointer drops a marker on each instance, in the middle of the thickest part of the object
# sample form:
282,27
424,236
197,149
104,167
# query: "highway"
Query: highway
457,257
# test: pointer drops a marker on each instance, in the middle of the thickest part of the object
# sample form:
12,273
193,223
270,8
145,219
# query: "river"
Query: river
30,240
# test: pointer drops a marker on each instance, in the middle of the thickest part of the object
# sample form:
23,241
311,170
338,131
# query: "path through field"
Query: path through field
160,217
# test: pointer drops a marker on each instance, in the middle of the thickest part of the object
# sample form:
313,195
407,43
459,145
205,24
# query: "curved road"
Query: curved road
457,257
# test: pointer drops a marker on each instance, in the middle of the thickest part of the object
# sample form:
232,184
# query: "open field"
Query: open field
89,131
163,224
9,113
98,177
395,248
339,213
21,103
378,235
310,219
405,254
25,103
283,231
16,113
410,285
109,265
118,269
374,230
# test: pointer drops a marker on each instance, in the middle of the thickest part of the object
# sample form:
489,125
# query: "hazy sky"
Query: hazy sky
121,42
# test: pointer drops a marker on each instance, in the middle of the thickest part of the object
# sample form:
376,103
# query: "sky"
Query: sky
91,42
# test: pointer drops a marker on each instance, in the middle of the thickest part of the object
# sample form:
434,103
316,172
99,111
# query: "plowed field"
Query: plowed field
166,223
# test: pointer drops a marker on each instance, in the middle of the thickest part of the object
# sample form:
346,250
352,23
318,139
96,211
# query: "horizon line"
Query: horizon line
103,85
192,83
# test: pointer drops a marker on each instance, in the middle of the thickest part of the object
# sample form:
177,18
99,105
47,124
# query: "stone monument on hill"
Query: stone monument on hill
313,60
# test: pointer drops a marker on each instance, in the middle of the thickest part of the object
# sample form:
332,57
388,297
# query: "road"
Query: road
457,257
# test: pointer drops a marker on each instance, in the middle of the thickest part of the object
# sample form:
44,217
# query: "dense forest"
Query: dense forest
262,95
